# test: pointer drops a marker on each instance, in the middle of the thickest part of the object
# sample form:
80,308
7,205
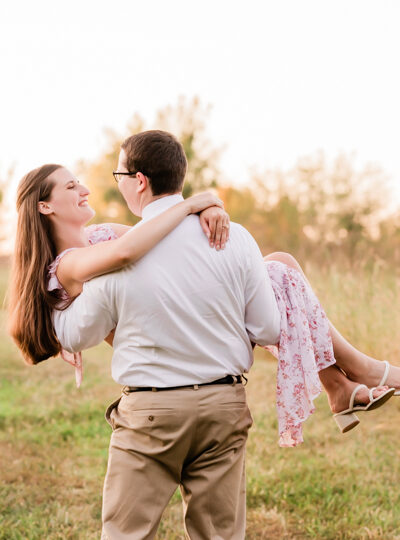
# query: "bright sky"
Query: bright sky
284,78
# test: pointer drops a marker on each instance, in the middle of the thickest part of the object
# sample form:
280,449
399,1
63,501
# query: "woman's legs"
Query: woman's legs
358,366
339,389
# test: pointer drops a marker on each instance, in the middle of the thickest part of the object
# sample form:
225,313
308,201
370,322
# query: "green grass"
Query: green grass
54,440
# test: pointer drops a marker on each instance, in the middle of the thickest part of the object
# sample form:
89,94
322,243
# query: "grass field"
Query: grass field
54,440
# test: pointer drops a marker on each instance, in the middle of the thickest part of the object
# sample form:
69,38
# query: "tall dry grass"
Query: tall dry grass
54,440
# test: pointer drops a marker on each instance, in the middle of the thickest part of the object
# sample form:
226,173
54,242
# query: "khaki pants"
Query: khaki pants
192,438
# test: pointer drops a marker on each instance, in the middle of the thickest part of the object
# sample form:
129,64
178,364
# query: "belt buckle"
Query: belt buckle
234,380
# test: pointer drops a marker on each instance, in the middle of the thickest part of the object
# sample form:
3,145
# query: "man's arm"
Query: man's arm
262,316
89,319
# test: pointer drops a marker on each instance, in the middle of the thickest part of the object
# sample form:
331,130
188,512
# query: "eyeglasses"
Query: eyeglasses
118,175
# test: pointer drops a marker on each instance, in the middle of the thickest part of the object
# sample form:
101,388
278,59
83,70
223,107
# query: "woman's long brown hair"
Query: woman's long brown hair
30,303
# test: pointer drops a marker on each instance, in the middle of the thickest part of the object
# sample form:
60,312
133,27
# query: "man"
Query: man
185,318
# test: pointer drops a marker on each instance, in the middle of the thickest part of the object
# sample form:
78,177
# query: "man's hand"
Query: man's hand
215,224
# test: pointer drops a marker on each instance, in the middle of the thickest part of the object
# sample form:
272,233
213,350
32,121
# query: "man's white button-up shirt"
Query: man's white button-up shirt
184,314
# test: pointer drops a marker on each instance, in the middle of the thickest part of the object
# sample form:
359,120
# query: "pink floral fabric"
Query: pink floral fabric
53,283
305,348
96,233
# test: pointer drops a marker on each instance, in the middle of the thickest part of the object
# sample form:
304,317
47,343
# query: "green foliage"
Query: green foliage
105,196
187,122
320,211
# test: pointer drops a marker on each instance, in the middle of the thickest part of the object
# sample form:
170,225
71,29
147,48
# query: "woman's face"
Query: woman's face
68,202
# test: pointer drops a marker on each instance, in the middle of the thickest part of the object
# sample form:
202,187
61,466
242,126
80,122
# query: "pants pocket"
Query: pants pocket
109,410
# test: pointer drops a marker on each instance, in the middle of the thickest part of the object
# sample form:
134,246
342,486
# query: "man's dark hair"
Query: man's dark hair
160,157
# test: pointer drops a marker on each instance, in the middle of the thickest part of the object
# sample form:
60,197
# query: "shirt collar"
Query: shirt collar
160,205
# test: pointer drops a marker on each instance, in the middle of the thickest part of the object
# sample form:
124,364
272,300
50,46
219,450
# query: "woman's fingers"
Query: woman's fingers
225,232
218,232
204,225
215,224
212,223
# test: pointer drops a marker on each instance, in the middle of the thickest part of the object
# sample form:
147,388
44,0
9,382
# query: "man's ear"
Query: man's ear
44,208
143,182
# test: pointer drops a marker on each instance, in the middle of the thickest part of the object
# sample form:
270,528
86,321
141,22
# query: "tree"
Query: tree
186,120
319,206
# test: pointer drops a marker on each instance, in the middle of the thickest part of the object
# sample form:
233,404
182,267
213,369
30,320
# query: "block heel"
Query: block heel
346,422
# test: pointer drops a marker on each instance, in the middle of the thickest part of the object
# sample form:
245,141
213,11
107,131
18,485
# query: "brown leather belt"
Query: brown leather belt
229,379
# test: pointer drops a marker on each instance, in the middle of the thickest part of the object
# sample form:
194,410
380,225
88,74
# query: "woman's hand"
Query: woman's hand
215,224
213,218
201,201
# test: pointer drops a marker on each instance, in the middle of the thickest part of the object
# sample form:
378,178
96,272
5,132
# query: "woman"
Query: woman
52,213
55,254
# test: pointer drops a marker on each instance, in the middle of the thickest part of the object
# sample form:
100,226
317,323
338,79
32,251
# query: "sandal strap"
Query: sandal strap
353,394
385,373
371,394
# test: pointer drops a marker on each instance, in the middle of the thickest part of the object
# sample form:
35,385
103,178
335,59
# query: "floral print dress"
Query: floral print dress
305,346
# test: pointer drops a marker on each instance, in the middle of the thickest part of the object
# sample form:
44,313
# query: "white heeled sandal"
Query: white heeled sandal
385,376
347,420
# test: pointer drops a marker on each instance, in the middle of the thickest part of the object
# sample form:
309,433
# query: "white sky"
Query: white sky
285,78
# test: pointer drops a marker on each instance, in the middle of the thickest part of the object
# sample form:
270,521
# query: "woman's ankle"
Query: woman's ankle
368,371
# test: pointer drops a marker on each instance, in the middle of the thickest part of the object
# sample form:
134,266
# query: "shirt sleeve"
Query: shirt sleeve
262,316
89,319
